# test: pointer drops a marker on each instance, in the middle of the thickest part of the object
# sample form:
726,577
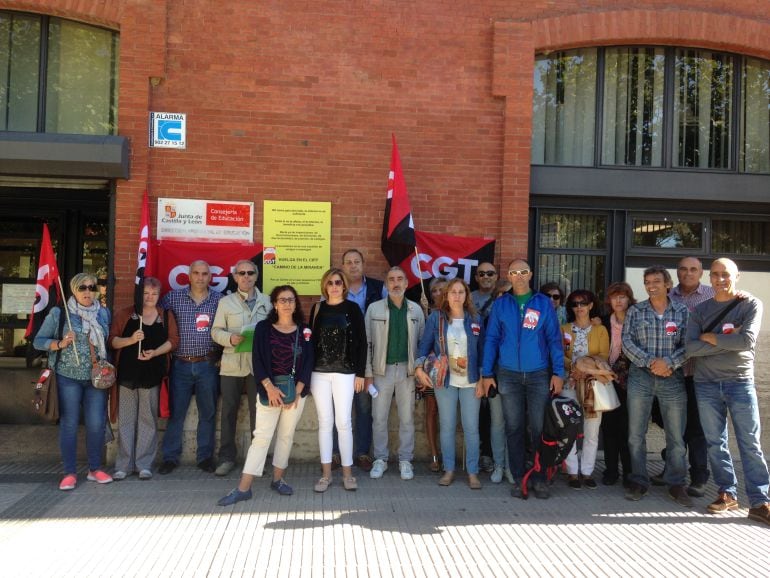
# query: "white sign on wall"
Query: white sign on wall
168,130
201,220
17,298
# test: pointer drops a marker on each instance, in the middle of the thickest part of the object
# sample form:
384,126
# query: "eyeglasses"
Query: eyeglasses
579,304
91,288
249,273
518,272
334,282
486,273
554,296
285,300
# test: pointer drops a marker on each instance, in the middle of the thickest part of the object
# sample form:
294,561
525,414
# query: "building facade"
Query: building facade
594,137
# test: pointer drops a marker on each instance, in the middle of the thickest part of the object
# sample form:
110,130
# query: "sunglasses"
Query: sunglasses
579,304
518,272
249,273
555,296
486,273
91,288
285,300
334,282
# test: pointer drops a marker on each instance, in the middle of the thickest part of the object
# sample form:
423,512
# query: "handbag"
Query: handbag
45,401
103,374
605,396
286,383
436,366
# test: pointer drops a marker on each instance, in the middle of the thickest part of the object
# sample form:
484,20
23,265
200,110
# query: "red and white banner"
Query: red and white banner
47,288
171,261
143,264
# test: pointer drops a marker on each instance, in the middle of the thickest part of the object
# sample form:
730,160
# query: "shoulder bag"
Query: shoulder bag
436,366
286,383
45,400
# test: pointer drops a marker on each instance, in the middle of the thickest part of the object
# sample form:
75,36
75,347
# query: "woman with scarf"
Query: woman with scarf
70,357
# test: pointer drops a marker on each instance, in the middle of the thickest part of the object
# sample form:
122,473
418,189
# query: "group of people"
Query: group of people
499,353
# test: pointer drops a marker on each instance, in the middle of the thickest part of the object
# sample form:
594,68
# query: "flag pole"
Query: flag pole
422,281
69,321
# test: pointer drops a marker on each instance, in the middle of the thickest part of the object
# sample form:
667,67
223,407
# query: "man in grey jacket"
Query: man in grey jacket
722,337
394,326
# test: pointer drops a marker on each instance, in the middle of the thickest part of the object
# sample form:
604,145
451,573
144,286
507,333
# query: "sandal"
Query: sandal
435,465
446,479
350,484
322,485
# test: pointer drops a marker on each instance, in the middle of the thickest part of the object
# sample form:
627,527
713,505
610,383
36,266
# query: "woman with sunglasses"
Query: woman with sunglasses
340,364
614,428
552,290
459,327
69,356
237,314
282,347
582,337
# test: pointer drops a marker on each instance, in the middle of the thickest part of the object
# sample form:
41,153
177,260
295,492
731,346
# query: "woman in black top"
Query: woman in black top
340,362
142,362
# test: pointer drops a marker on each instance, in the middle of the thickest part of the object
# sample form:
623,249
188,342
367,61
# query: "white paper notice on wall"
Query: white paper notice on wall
168,130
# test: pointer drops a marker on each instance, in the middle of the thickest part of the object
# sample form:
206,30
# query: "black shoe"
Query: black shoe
516,490
541,490
574,482
636,492
207,465
658,480
589,483
697,490
679,495
610,479
166,468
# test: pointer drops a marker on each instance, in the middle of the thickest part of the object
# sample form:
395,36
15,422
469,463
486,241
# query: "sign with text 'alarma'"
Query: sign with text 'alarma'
168,130
297,245
201,220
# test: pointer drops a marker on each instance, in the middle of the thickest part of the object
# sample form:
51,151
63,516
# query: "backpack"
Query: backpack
562,428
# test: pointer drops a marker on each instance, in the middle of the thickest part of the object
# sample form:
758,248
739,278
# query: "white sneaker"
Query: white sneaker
407,472
145,475
119,475
509,476
378,468
497,475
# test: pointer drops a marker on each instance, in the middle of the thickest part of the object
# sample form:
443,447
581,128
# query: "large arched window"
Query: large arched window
640,106
57,76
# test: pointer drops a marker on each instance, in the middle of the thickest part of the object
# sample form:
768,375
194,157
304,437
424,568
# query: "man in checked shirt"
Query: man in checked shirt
654,342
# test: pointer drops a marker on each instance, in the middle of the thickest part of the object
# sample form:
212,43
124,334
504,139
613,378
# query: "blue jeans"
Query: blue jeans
202,379
524,397
74,393
643,386
447,398
740,398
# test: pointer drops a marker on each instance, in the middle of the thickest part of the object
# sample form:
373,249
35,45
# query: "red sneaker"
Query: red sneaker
68,482
99,477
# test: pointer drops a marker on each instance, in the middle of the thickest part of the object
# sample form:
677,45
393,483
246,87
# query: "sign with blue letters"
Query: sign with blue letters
168,130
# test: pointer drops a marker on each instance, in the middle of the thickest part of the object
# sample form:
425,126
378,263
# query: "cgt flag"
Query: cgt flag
143,256
445,256
398,235
47,285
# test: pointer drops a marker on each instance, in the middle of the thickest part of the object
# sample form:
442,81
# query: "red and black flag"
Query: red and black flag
47,289
398,237
143,256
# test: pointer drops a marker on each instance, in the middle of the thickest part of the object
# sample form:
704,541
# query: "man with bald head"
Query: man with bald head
524,359
722,338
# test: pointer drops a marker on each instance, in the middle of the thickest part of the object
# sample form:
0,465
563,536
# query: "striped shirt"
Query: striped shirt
647,336
193,320
691,300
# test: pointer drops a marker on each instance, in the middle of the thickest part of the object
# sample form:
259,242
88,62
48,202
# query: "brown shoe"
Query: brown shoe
446,479
473,482
350,484
364,463
679,495
723,503
760,514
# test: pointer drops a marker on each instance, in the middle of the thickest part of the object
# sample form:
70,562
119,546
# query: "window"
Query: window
572,250
666,233
703,99
755,117
78,92
564,108
633,106
739,237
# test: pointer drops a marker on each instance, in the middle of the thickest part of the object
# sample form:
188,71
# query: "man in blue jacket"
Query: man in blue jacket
523,349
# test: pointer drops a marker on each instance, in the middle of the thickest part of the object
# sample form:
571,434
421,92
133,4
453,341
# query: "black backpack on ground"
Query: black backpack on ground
562,427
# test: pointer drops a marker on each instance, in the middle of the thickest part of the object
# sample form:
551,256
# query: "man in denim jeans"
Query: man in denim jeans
653,340
523,345
722,338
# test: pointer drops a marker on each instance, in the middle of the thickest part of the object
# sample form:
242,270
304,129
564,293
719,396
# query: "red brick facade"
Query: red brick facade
297,100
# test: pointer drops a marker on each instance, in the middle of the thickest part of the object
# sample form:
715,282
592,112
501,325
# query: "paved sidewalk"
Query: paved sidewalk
171,526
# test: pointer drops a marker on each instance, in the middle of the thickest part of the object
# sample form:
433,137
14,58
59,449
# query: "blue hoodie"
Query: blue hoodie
525,345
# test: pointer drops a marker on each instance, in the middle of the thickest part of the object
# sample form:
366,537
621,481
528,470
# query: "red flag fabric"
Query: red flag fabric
47,288
398,235
143,256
